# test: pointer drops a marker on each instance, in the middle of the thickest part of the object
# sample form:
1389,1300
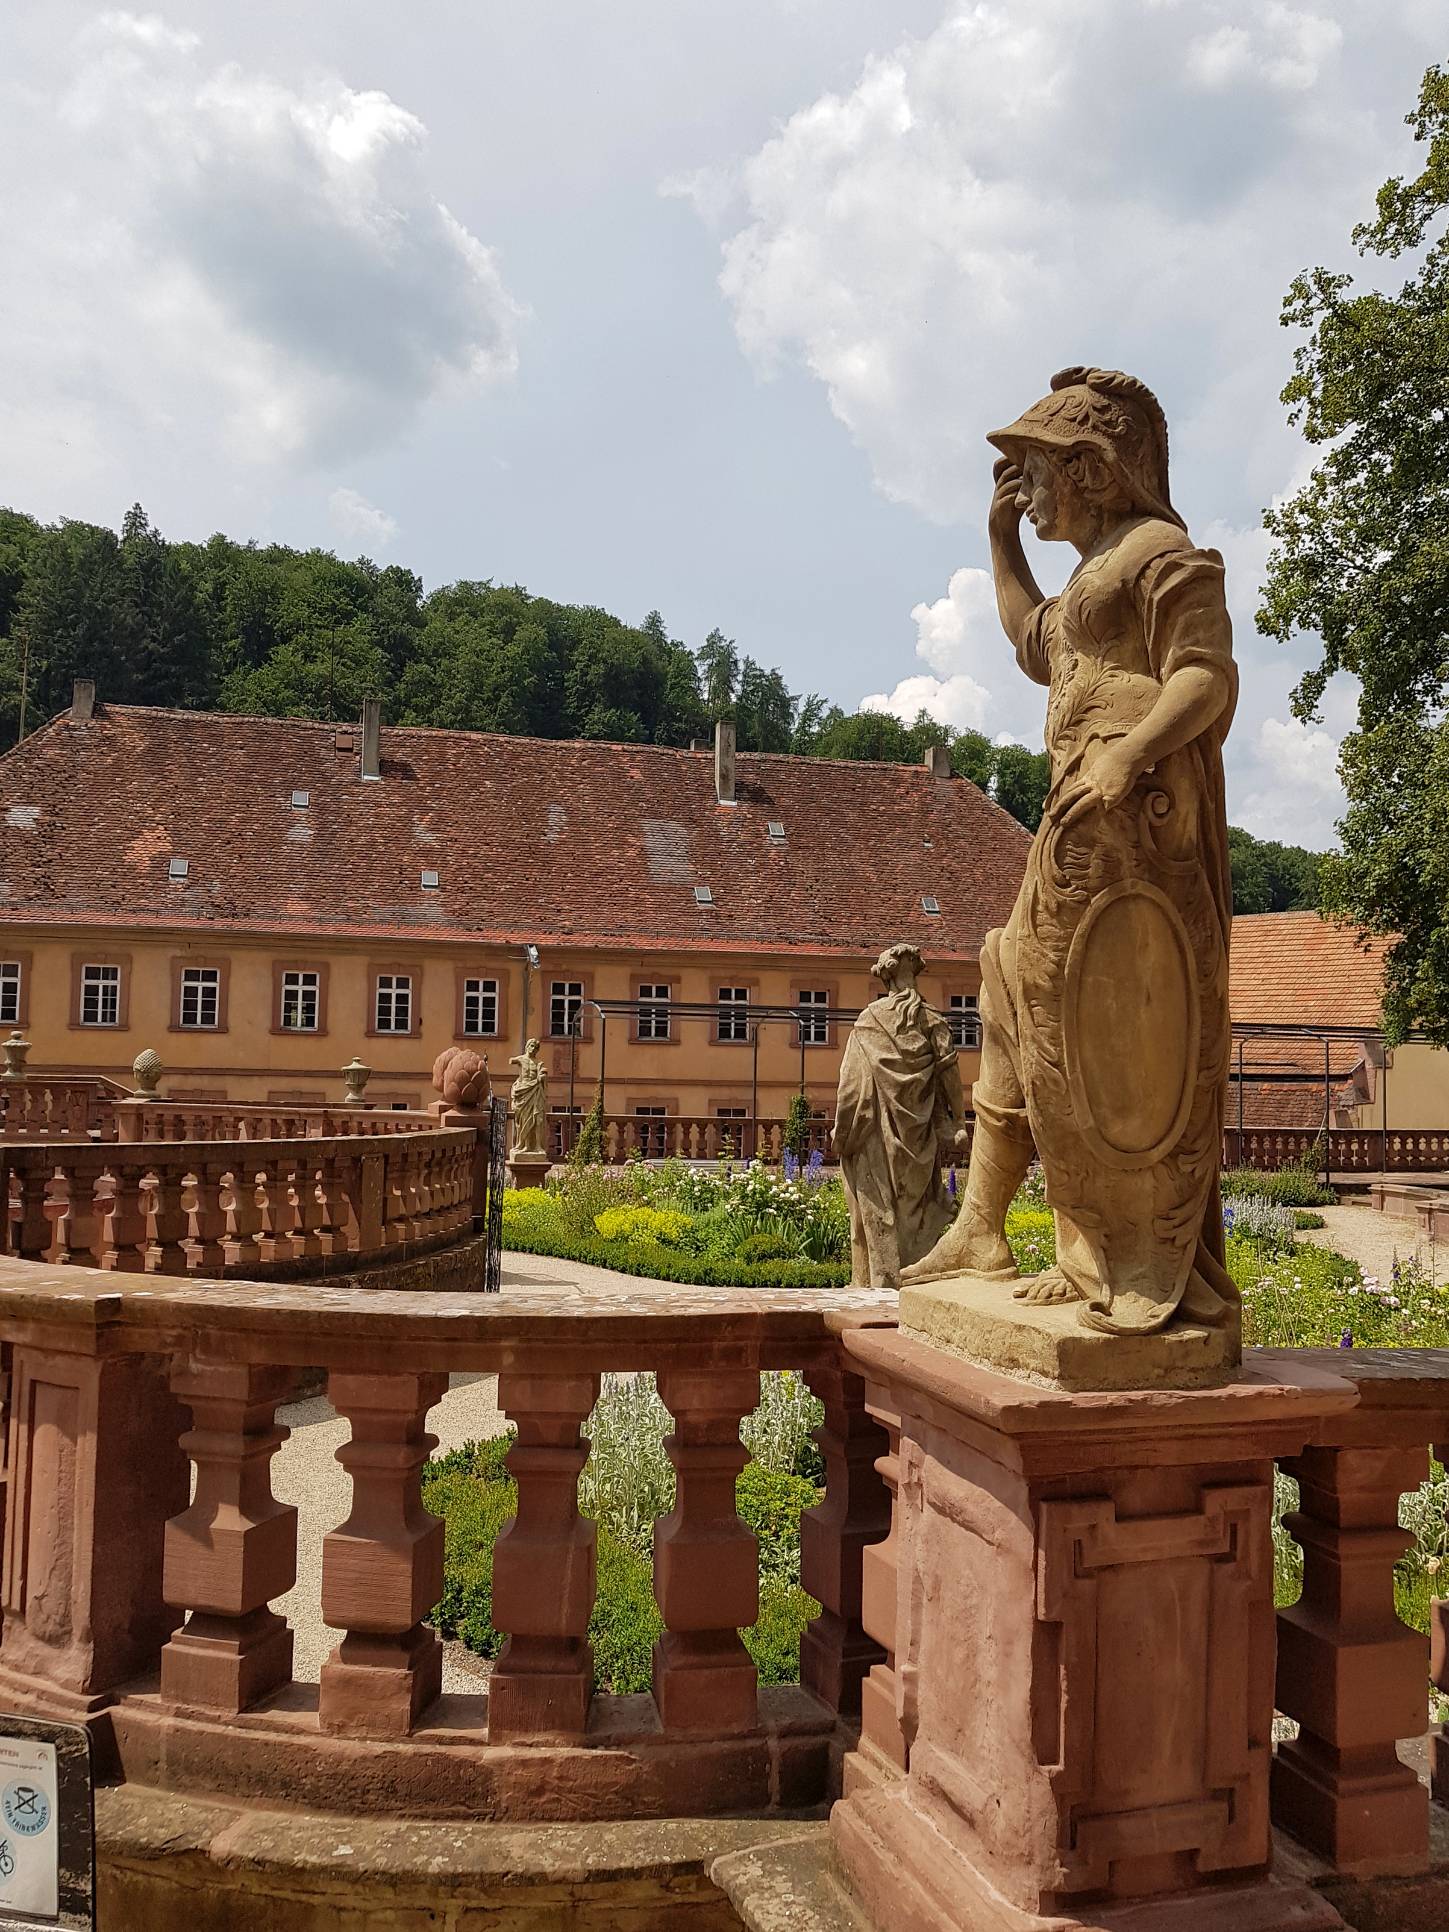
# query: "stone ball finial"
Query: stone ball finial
355,1076
147,1070
461,1076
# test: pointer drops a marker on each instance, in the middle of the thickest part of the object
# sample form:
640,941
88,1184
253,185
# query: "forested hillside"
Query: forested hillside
291,633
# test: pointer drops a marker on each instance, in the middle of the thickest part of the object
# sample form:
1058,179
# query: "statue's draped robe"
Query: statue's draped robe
899,1094
530,1108
1105,998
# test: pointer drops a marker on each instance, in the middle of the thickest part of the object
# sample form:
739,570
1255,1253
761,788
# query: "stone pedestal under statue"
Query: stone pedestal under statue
1084,1653
528,1170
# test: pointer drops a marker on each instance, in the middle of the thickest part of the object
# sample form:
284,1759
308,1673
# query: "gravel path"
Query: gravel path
1372,1240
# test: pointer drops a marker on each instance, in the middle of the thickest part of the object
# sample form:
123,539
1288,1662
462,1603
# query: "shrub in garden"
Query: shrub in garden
1288,1186
643,1224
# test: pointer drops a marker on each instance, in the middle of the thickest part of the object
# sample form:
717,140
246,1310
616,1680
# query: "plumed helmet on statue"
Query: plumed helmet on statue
1101,410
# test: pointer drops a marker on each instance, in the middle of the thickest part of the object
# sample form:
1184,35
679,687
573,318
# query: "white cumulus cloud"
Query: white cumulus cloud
355,519
233,263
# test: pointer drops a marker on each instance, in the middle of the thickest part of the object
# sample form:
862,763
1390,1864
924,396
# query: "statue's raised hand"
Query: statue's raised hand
1004,518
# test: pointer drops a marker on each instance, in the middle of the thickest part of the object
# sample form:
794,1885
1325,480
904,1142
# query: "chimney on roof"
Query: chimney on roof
82,701
372,737
724,761
938,760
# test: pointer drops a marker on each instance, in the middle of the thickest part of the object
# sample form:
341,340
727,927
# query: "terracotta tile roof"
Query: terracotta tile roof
1266,1105
584,844
1266,1055
1294,969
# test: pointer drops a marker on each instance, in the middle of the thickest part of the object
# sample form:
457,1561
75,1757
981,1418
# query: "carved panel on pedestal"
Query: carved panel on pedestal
1156,1781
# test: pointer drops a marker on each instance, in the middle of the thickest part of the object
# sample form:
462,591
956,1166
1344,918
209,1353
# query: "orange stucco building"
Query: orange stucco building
260,899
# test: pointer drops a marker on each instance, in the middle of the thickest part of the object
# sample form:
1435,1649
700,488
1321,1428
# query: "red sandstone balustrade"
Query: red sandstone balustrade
213,1209
1349,1671
838,1653
150,1121
42,1107
100,1452
883,1741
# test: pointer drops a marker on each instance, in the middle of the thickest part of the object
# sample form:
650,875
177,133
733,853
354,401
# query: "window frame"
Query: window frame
807,997
301,974
394,987
200,980
21,962
480,981
107,978
280,969
100,956
394,969
722,1007
569,998
963,1016
652,1000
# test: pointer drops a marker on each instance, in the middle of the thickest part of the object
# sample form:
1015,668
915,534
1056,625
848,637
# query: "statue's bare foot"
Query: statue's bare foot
1046,1289
970,1246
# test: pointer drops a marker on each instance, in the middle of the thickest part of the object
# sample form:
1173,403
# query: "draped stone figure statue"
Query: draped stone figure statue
899,1108
1104,1001
530,1103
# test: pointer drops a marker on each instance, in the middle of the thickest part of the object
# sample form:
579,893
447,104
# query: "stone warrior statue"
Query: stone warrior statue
530,1102
1104,1000
898,1109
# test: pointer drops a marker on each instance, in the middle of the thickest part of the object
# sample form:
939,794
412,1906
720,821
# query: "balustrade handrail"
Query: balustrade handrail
160,1120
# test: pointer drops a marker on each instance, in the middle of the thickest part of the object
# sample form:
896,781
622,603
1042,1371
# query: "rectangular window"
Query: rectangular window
653,1133
9,992
653,1012
565,1007
394,1004
100,996
480,1006
200,996
813,1024
301,1001
965,1022
734,1013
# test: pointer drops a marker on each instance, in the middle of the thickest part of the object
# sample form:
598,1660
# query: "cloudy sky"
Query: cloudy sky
660,302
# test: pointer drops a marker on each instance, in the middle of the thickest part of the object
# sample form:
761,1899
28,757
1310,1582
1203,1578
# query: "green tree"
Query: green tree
764,709
1020,782
1361,558
719,669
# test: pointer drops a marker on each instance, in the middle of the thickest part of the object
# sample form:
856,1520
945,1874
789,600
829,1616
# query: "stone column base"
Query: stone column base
908,1877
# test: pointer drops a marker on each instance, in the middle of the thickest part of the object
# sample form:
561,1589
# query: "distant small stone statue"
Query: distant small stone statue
899,1111
530,1103
1104,999
460,1075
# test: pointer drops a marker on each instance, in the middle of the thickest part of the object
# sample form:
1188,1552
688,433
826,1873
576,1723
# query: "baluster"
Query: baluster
126,1235
366,1182
544,1563
382,1569
836,1655
337,1230
307,1212
1350,1672
170,1223
706,1563
396,1223
208,1246
58,1190
234,1549
883,1740
32,1230
245,1216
